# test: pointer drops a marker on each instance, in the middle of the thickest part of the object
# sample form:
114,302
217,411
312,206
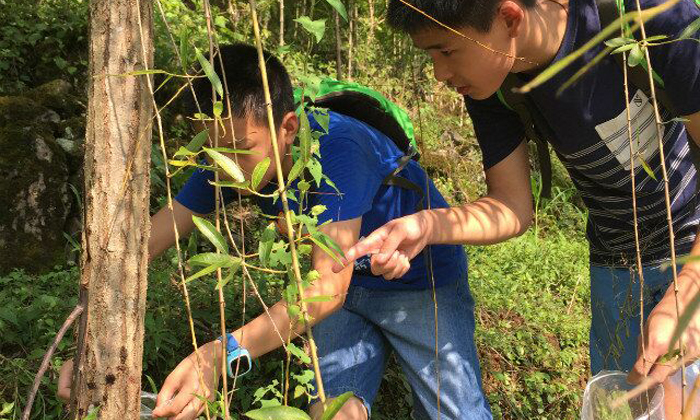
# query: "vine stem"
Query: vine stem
181,270
633,180
47,358
667,197
285,203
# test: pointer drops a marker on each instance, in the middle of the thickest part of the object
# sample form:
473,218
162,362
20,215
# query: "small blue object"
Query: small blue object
235,352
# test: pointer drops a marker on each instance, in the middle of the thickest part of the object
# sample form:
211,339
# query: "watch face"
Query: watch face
239,362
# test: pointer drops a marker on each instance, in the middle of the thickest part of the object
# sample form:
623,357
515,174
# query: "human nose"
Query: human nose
441,71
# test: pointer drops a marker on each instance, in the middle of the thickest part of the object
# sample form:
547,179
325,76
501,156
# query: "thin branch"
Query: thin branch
47,358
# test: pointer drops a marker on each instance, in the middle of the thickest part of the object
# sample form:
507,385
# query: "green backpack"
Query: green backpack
372,108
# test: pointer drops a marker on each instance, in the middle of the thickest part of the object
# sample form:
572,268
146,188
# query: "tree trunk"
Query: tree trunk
281,22
338,48
351,36
107,375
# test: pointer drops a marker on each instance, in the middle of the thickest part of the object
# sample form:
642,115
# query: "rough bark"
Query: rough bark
115,239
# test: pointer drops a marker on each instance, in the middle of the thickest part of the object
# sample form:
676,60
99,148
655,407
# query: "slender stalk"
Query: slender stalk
667,197
181,270
285,203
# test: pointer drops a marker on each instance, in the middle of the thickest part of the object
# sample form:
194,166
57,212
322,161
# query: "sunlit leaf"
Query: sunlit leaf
299,353
266,242
211,74
258,173
185,47
647,169
210,232
335,406
623,48
339,7
636,56
315,27
218,108
230,184
656,38
179,163
280,412
227,164
690,30
326,249
616,42
212,258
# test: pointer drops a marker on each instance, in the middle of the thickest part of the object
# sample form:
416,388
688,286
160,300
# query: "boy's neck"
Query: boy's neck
545,26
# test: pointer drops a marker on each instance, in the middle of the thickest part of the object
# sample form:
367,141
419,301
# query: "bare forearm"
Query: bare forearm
163,231
485,221
266,332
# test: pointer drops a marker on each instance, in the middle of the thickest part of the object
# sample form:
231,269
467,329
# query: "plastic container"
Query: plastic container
673,389
148,403
608,386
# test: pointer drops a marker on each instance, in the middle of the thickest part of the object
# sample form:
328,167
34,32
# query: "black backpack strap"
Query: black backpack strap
535,126
395,180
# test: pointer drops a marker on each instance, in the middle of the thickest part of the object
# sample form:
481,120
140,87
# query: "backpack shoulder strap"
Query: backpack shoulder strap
536,128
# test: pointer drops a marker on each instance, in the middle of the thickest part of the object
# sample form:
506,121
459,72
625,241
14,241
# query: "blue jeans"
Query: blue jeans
355,343
615,321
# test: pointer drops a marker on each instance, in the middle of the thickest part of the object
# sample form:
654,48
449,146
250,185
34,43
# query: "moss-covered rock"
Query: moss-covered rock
56,95
33,193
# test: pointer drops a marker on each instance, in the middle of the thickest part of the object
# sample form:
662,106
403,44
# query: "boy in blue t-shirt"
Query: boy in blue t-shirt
588,122
369,317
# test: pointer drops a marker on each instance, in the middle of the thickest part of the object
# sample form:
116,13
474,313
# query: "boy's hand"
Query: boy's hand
392,246
65,379
177,398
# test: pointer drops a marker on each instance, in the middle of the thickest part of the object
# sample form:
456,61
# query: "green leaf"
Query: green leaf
211,233
299,353
230,184
295,171
293,311
212,258
339,7
616,42
227,164
218,109
182,151
280,412
656,38
623,48
266,242
179,163
315,27
335,406
690,30
211,74
647,169
318,209
636,56
202,272
235,151
323,118
224,280
299,391
197,141
304,137
7,408
201,116
326,249
303,186
258,173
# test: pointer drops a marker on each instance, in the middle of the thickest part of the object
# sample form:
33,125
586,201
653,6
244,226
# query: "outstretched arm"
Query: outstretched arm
177,396
505,212
162,230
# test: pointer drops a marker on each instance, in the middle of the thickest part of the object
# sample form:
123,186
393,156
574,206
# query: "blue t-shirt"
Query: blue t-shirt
356,158
590,127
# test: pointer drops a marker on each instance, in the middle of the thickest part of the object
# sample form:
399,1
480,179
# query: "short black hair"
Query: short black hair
457,14
240,64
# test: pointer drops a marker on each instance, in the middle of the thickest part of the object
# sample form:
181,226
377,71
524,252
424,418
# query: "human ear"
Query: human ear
512,14
289,127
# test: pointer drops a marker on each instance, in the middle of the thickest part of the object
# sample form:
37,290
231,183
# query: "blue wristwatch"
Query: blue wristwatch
234,353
